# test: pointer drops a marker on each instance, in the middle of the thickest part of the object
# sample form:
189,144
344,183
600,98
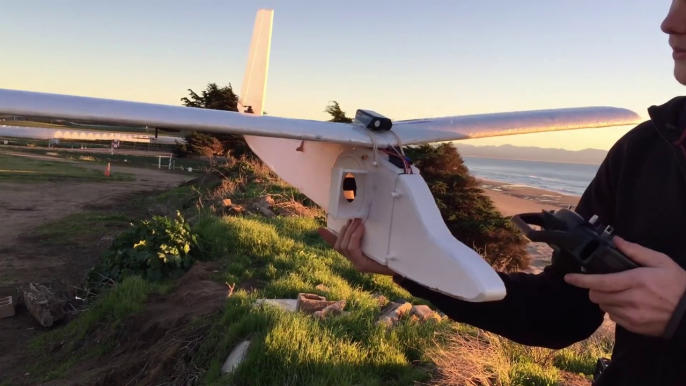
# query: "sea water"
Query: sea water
563,178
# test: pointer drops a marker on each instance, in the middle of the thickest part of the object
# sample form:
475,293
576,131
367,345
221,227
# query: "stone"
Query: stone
311,303
236,209
236,357
285,304
262,205
6,307
424,313
394,312
331,310
43,304
381,299
226,203
266,201
266,211
105,241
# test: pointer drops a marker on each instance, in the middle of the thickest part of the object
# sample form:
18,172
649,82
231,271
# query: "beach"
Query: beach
511,199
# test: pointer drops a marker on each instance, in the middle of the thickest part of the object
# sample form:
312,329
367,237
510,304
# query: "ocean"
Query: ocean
571,179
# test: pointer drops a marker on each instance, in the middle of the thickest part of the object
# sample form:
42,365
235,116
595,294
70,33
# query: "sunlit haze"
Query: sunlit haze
404,59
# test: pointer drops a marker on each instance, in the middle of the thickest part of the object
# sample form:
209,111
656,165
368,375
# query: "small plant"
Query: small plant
155,249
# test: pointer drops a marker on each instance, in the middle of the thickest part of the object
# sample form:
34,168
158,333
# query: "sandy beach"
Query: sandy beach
511,199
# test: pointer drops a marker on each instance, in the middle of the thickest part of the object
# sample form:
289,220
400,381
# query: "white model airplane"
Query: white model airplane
404,228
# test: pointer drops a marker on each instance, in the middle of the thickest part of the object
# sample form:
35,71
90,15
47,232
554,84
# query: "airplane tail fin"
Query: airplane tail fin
253,90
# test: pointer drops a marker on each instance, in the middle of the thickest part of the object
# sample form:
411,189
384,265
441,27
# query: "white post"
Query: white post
159,163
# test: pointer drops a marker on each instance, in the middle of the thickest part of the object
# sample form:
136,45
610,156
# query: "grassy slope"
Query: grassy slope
284,256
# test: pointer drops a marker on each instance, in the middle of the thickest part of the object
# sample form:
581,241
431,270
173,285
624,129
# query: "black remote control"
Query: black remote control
587,242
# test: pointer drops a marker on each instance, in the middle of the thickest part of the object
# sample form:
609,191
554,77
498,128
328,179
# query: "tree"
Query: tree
469,214
338,115
213,144
214,98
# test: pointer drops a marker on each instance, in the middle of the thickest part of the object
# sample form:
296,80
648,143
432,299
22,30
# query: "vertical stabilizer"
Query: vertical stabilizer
253,90
303,164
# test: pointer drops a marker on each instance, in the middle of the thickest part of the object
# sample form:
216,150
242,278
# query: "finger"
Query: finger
611,282
341,234
640,254
345,243
612,299
328,236
356,240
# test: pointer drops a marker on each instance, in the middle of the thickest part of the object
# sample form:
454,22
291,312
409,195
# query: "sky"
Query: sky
403,59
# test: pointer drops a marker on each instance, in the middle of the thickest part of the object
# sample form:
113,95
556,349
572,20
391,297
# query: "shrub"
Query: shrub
154,249
469,214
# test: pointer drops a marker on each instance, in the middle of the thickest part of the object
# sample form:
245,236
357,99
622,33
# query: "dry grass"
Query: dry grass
471,357
471,361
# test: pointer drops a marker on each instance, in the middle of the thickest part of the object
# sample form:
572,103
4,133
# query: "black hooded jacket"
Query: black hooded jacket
639,189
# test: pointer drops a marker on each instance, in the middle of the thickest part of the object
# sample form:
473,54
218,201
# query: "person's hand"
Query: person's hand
348,244
642,300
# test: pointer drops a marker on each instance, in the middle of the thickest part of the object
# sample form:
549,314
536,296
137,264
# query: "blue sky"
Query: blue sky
404,59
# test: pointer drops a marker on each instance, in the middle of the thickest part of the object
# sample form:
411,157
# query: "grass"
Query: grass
284,257
79,126
151,162
25,169
110,309
81,228
10,122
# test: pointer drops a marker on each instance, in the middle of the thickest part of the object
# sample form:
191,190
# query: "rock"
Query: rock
311,303
266,211
333,309
424,313
6,307
43,304
263,205
394,312
236,357
226,203
381,299
105,241
266,201
236,209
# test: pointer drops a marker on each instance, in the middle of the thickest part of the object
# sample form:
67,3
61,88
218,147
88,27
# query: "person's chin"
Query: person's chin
680,71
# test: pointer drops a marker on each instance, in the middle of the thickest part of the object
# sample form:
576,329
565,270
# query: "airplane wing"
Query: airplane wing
108,111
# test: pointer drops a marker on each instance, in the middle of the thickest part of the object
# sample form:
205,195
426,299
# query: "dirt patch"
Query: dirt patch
26,257
155,346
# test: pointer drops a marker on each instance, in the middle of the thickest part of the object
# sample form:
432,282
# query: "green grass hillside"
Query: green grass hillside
269,253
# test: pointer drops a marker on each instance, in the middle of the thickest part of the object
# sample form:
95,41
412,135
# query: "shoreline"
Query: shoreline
511,199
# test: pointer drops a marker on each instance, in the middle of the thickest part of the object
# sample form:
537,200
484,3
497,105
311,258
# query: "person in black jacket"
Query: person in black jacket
639,189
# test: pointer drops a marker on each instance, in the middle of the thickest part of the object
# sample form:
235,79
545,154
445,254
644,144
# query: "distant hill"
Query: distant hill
587,156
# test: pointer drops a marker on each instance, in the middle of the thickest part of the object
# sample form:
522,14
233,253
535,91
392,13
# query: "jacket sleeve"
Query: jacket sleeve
539,309
676,327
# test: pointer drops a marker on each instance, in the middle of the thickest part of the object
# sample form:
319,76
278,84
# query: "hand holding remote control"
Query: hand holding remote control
588,243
